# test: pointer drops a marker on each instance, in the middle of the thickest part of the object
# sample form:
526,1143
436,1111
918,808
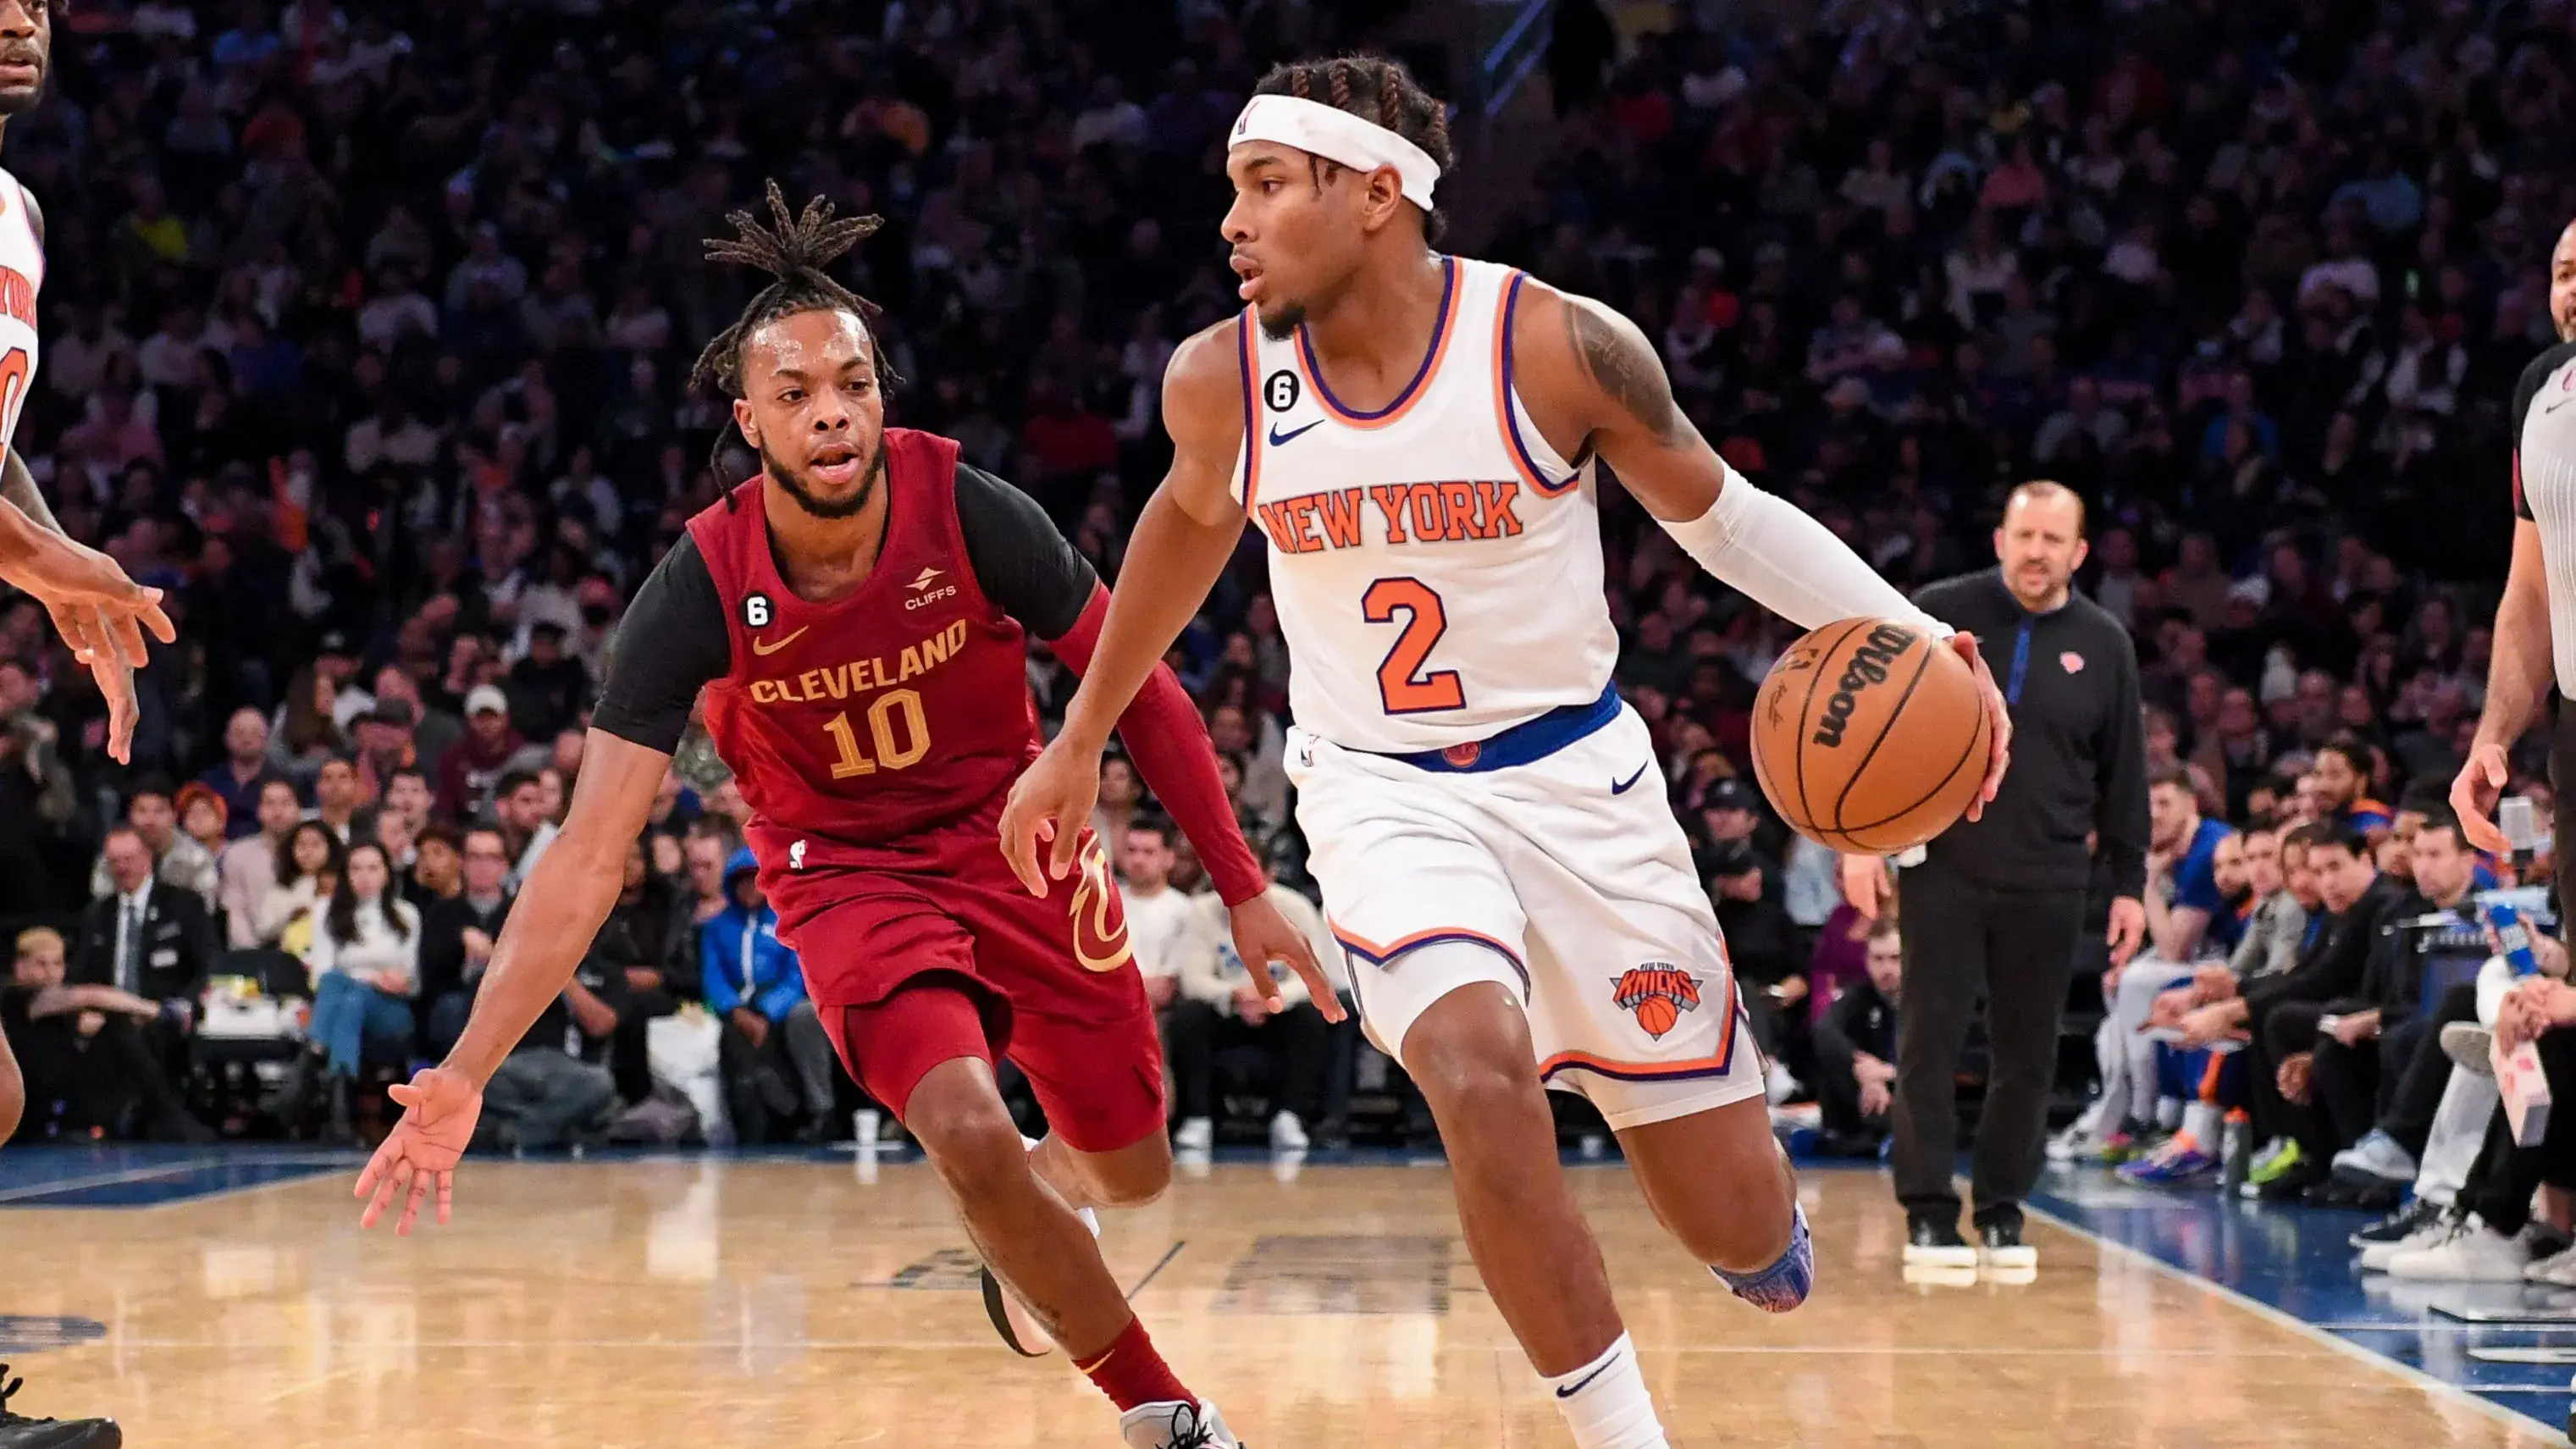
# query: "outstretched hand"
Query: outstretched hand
1051,802
440,1108
101,614
1261,936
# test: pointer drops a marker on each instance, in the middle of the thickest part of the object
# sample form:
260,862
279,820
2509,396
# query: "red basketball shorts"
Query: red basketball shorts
949,956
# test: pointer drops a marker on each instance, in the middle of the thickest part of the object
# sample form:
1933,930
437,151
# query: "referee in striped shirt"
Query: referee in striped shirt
2535,622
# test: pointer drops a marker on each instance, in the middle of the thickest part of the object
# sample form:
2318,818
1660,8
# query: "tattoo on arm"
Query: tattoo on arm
1626,370
18,486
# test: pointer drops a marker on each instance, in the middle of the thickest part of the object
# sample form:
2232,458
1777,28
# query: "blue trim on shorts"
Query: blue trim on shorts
1525,743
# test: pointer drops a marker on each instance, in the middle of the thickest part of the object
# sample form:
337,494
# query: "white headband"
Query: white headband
1337,135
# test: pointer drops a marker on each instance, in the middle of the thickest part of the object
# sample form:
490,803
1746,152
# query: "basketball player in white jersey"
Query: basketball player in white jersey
1414,434
101,612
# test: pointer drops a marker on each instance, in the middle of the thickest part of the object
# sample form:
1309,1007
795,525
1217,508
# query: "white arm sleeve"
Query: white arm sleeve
1789,563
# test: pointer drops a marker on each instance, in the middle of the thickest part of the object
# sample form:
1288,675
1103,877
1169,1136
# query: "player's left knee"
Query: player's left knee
1128,1181
1749,1237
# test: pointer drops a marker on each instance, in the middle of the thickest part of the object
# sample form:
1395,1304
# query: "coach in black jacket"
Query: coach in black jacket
1997,905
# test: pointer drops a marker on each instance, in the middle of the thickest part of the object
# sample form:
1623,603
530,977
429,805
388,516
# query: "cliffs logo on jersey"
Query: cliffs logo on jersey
1657,994
1406,513
1866,667
926,588
1099,914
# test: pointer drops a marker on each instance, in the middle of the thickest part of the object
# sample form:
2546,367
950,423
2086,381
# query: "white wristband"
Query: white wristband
1789,563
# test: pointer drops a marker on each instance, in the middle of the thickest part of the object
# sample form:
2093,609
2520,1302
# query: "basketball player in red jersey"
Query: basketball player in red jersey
1463,764
856,616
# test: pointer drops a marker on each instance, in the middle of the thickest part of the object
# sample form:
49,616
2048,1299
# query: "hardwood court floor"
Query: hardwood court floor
710,1302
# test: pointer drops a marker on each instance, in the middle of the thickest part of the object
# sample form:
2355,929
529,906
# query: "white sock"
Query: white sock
2202,1122
1605,1403
2168,1112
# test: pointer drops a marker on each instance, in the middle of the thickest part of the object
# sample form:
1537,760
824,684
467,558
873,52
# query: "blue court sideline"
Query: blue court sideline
2297,1261
2291,1260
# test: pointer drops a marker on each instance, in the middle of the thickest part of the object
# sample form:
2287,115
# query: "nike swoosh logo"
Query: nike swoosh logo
2553,407
774,645
1570,1390
1279,439
1621,788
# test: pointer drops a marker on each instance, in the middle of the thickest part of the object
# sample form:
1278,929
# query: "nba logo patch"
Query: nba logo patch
2071,662
796,856
1657,994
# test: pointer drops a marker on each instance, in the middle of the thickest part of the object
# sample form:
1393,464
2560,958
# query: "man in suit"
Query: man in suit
151,939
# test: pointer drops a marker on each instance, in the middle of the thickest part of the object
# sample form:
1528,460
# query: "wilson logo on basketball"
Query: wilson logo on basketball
1099,915
1657,994
1867,666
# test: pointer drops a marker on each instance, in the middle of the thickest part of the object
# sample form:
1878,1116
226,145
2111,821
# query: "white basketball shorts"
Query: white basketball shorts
1571,882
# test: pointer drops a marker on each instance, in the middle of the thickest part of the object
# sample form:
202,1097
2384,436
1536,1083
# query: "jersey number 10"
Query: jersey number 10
890,755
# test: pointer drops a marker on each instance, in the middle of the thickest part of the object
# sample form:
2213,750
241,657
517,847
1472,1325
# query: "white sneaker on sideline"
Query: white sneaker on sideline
2471,1252
2470,1047
2376,1155
1195,1134
1777,1085
2376,1257
1287,1134
2558,1270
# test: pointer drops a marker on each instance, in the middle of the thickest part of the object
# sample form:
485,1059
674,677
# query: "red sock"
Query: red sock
1131,1373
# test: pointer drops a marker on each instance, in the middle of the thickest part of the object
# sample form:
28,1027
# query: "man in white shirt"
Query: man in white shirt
1207,1000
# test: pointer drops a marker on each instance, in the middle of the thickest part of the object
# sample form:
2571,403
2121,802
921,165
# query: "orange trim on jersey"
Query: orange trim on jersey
1503,419
1414,391
1251,412
1378,955
1709,1066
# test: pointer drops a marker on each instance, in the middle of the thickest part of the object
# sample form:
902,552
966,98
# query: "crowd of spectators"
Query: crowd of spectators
371,325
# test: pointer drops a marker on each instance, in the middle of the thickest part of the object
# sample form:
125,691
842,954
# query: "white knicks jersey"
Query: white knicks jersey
1436,565
22,271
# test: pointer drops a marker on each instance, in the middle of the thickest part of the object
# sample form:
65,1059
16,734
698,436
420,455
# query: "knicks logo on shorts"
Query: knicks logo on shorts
1657,994
1099,915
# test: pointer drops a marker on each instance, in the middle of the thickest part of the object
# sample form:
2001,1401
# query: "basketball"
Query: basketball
1869,736
1658,1015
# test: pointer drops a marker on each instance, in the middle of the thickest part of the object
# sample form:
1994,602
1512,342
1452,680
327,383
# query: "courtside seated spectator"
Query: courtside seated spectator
1855,1069
774,1053
365,963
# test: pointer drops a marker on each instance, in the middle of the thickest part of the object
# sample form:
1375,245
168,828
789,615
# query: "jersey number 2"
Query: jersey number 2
1402,685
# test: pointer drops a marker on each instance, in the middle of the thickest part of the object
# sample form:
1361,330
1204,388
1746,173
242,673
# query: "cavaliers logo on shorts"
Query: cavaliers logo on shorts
1099,915
1657,994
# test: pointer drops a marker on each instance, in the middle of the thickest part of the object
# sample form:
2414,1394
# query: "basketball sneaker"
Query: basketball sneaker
2470,1047
1999,1244
1195,1134
17,1431
2468,1252
2400,1225
1176,1425
2178,1162
1932,1241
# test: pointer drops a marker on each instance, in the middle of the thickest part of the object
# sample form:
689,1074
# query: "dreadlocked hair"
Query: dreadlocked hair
795,251
1373,88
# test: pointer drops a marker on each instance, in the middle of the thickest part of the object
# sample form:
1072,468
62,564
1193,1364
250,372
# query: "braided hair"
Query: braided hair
794,250
1373,88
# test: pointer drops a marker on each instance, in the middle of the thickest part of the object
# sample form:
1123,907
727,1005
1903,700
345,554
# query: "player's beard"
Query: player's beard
1281,325
828,508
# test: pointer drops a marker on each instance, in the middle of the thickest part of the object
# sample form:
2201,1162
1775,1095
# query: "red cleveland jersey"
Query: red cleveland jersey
897,708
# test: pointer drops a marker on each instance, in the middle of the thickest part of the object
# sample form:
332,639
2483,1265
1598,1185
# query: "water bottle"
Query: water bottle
2235,1151
2506,922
